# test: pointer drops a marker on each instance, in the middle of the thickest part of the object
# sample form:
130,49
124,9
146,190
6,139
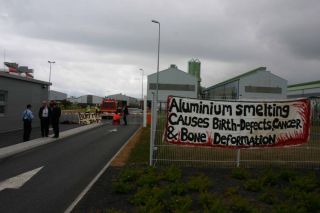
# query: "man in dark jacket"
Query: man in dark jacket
55,116
45,116
125,113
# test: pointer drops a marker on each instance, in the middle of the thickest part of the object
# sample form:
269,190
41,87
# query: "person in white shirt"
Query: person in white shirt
45,116
27,117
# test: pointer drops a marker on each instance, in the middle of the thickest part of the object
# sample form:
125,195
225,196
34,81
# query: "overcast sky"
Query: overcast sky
100,45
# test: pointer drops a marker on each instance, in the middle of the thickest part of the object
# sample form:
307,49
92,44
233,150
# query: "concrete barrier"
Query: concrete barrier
89,118
80,118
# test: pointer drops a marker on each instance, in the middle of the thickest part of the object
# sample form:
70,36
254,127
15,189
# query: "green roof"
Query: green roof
238,77
306,85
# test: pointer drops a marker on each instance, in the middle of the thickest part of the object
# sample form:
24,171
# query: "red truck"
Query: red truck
110,106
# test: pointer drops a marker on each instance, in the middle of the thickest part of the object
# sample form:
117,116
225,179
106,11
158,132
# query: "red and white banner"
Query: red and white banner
242,124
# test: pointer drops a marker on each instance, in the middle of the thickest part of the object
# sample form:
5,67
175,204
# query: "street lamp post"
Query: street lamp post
157,86
50,62
141,87
154,104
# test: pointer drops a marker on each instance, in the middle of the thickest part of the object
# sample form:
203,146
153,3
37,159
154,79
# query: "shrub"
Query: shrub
304,201
211,203
287,175
149,178
240,173
151,206
269,178
112,211
253,185
288,208
141,197
172,174
146,194
230,191
180,204
306,183
199,183
121,187
310,201
268,197
291,193
177,188
129,174
241,205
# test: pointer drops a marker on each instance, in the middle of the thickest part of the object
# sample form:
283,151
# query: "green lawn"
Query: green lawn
140,153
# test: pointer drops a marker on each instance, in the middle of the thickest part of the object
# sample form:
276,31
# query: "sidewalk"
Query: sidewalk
15,137
24,146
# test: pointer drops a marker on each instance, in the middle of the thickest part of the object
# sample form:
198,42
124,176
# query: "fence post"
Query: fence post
145,111
238,158
153,127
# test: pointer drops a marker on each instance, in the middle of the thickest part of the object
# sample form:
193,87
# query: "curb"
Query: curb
21,147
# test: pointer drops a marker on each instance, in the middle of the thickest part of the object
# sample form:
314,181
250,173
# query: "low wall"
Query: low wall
80,118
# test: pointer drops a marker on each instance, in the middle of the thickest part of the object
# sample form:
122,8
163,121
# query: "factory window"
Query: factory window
175,87
3,101
275,90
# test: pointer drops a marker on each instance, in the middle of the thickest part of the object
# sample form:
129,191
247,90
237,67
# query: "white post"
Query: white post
238,157
151,130
145,111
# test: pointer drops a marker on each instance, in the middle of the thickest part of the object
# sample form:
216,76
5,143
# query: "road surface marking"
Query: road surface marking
19,180
113,130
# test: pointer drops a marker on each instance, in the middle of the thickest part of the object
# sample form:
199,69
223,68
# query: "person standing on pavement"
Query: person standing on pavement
55,117
27,117
125,113
116,118
97,109
44,115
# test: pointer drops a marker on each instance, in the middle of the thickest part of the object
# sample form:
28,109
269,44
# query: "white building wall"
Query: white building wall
72,99
96,99
120,97
305,92
262,79
58,96
131,101
296,92
83,99
172,76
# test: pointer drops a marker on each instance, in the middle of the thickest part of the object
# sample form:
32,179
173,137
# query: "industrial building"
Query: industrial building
15,93
255,84
72,99
131,101
57,96
194,68
173,81
307,89
88,99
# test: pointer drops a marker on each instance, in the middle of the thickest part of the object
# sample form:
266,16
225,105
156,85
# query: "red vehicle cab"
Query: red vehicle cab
108,107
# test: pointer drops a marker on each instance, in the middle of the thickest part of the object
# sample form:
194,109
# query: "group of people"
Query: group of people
116,116
48,114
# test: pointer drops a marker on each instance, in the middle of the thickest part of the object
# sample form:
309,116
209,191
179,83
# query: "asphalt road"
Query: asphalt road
68,166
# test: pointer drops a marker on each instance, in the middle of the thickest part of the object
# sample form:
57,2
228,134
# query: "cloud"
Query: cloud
99,46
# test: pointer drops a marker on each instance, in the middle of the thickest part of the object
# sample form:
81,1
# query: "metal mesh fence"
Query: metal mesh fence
304,156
